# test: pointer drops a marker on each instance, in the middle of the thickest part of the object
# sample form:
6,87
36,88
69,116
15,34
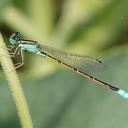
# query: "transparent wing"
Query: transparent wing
80,62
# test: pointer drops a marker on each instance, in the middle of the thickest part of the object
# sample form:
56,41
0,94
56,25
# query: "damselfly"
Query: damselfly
73,61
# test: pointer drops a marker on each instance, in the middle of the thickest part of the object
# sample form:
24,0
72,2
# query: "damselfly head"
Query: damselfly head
15,38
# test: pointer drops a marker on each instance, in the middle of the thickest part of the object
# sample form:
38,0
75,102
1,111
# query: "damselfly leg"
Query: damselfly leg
17,51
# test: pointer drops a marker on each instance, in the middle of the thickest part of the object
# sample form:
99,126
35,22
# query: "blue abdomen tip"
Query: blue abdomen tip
123,93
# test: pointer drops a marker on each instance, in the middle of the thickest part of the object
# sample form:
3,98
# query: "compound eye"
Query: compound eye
15,38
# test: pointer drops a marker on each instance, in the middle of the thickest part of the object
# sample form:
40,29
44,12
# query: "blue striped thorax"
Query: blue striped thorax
28,45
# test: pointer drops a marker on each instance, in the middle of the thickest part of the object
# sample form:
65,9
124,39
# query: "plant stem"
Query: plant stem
15,86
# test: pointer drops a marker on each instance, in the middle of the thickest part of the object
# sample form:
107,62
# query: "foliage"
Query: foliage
96,28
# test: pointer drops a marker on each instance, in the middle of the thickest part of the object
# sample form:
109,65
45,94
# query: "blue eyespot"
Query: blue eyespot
15,38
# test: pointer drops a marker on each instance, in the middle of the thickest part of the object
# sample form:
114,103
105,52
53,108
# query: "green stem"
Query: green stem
15,86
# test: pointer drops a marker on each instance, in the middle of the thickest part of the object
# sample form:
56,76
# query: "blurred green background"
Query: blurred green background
59,98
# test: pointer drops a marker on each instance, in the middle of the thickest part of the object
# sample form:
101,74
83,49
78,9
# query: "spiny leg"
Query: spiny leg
14,53
21,55
10,47
18,52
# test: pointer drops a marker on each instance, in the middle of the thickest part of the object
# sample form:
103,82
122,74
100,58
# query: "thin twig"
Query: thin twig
15,86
